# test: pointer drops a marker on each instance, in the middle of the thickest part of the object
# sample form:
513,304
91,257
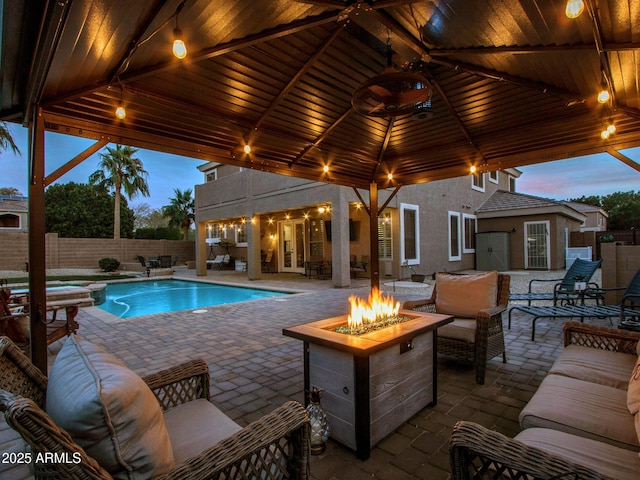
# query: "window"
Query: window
316,237
212,175
470,226
409,234
217,231
384,237
9,220
477,181
241,234
493,176
454,236
512,183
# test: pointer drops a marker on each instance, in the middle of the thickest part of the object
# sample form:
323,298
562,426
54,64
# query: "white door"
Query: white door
536,245
291,245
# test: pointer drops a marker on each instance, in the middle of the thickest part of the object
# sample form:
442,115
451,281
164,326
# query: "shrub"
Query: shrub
108,264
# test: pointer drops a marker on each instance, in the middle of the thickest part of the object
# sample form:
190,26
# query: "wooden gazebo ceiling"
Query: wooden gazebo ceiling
514,81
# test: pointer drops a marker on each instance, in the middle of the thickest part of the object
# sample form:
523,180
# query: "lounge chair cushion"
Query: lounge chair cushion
461,329
195,426
610,461
633,392
109,411
576,407
466,295
593,365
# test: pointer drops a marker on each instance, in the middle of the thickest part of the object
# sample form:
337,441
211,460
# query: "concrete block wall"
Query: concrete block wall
85,252
619,265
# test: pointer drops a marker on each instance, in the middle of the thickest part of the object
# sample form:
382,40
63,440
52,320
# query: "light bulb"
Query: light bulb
604,134
247,149
179,48
603,96
611,128
325,169
574,8
390,176
121,112
472,169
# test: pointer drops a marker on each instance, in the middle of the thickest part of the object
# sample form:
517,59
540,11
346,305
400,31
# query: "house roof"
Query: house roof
513,81
14,204
584,208
510,204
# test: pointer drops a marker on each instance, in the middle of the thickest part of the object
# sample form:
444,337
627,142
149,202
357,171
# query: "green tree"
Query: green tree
10,191
623,208
78,210
120,170
181,211
147,217
6,140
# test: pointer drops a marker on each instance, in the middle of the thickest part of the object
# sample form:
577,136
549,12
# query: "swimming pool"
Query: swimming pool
132,299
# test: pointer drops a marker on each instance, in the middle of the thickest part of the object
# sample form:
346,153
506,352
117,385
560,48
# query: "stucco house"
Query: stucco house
596,218
533,232
424,228
13,213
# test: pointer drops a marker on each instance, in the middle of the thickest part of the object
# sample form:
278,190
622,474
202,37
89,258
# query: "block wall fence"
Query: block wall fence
85,252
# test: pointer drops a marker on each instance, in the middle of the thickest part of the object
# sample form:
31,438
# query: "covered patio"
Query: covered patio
270,85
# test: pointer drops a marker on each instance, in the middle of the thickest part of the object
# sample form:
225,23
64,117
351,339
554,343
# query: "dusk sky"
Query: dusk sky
599,174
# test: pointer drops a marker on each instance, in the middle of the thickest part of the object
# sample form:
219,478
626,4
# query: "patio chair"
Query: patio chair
167,415
266,262
564,288
14,321
477,301
358,266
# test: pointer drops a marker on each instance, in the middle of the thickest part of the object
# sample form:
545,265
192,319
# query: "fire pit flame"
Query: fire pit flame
374,309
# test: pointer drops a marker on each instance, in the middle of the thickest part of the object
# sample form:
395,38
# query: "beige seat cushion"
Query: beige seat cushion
466,295
461,329
196,426
595,365
582,408
606,459
109,411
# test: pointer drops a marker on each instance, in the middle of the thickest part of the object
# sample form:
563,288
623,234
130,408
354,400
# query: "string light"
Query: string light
247,149
472,169
604,96
325,169
574,8
179,48
390,175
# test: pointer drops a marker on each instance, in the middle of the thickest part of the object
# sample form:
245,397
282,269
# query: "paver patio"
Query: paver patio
254,368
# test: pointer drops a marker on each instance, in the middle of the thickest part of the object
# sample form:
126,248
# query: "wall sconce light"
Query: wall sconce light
272,237
574,8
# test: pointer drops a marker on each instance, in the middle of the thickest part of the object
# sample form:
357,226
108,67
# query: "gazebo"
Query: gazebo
368,94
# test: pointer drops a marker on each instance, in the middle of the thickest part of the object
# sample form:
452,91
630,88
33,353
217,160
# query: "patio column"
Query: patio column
254,260
37,255
373,235
340,268
201,249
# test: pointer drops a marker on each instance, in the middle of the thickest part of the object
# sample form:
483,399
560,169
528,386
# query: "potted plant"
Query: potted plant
416,277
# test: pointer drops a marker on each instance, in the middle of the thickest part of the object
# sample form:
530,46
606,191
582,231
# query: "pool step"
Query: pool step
70,296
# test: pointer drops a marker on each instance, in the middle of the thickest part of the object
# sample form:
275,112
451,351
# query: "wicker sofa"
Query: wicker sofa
578,422
189,438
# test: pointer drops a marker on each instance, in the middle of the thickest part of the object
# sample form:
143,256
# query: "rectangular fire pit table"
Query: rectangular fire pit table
374,382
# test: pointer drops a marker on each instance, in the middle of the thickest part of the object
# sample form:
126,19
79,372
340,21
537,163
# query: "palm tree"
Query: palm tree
6,140
181,211
119,170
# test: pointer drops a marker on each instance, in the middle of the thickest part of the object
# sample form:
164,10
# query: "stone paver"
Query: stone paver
254,368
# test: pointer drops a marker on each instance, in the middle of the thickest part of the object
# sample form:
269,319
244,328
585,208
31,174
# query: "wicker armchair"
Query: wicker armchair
479,453
275,446
489,333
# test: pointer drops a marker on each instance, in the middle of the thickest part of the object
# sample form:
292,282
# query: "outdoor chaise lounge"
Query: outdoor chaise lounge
161,427
564,288
477,302
627,312
220,261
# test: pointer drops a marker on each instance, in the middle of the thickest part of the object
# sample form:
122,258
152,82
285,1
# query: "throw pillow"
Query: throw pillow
466,295
633,393
109,411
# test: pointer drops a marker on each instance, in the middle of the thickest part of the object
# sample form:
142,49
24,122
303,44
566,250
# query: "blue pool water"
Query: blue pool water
133,299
